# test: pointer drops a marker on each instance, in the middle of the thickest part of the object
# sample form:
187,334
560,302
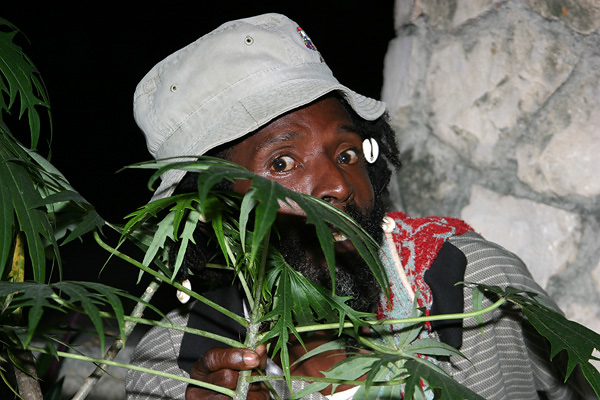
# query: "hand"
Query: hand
221,367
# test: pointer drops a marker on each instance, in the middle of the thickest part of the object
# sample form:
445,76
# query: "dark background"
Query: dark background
92,56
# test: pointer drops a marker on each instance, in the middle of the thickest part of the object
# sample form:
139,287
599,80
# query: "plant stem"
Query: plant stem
163,278
216,388
413,320
130,324
252,335
103,314
29,386
116,347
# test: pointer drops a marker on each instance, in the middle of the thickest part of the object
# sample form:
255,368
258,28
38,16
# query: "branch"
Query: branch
116,347
130,324
27,381
414,320
253,336
137,320
176,285
216,388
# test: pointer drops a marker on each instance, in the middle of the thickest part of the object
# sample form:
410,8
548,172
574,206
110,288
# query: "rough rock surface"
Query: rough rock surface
496,105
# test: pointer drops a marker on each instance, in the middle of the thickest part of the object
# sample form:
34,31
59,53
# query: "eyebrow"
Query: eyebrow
284,137
349,128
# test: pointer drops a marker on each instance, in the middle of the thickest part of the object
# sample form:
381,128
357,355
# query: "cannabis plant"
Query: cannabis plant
39,211
283,303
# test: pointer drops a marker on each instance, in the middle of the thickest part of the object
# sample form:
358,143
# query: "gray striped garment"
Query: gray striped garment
509,361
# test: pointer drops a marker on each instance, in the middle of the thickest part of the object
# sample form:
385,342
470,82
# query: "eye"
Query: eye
348,157
282,164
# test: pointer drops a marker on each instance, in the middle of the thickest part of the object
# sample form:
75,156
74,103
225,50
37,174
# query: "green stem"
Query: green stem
137,320
116,347
335,381
232,315
216,388
335,325
253,335
246,289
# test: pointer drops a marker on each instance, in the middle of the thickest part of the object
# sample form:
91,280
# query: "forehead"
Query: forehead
324,115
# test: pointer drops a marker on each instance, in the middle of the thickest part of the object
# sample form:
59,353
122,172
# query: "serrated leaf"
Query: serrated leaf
78,294
110,296
578,341
19,78
282,313
77,213
386,369
22,193
248,204
432,347
349,369
35,199
187,236
268,196
162,233
31,294
449,389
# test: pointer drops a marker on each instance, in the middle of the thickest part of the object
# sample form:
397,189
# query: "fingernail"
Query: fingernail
250,358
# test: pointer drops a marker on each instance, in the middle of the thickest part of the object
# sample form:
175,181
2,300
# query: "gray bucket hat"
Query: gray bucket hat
229,83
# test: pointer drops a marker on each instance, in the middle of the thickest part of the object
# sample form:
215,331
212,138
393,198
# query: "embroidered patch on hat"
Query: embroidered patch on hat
307,42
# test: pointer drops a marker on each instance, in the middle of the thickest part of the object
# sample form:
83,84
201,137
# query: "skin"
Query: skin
313,150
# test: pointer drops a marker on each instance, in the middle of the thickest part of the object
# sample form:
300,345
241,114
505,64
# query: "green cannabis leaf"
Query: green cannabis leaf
266,196
79,295
449,389
19,78
576,340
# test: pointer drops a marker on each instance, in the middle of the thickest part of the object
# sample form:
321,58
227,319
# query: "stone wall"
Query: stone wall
497,108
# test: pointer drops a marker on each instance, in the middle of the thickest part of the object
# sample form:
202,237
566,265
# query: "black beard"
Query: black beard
300,248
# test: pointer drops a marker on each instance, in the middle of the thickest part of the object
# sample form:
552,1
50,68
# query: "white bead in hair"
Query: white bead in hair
370,150
184,297
388,224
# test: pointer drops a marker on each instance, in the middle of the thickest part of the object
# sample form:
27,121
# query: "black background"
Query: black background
91,56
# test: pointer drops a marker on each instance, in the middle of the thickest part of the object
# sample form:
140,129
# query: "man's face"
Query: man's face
315,150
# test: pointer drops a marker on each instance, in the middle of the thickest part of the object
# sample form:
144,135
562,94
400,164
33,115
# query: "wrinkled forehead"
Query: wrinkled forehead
337,113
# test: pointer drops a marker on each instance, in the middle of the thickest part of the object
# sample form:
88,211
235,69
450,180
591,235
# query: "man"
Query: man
257,92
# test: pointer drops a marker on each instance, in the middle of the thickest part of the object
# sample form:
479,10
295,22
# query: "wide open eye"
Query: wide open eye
282,164
349,156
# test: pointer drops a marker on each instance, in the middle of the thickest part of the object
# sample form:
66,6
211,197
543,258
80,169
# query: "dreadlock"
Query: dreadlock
380,172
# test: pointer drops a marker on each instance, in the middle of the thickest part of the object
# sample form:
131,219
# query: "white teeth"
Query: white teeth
339,237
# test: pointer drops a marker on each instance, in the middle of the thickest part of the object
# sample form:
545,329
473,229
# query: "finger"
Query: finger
227,378
261,352
231,358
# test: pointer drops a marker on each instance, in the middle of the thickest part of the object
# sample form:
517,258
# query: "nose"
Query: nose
329,183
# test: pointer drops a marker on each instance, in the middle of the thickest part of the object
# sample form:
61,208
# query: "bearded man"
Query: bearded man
258,93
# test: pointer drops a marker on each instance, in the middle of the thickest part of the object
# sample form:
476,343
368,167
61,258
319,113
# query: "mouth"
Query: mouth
338,237
341,243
